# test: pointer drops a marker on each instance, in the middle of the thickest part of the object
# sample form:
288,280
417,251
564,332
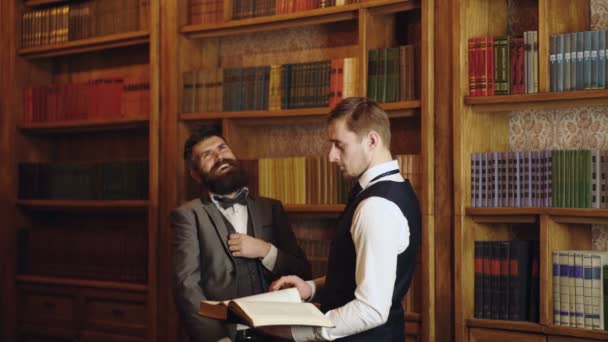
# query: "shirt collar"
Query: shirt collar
379,169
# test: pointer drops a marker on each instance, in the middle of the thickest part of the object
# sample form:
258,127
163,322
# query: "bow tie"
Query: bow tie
227,202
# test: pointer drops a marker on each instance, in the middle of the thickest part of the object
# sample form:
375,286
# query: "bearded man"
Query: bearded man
227,244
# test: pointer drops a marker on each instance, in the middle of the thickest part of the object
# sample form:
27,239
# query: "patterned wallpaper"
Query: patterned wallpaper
599,14
572,128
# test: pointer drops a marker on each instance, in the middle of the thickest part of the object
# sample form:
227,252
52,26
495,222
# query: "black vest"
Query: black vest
340,282
249,272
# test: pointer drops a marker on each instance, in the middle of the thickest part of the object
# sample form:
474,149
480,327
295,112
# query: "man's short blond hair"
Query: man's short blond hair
363,115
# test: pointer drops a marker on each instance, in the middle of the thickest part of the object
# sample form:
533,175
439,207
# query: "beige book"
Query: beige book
282,307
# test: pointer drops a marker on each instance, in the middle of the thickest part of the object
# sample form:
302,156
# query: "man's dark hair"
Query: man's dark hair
198,134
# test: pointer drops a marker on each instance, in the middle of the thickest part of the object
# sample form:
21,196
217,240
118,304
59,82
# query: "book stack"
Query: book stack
97,99
391,74
507,280
503,65
546,178
580,289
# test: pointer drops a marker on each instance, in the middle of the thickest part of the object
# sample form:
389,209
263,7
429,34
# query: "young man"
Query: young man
373,255
228,244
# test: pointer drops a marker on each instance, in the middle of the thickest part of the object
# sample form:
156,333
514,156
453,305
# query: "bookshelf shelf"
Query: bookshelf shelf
255,114
32,3
81,283
314,208
576,332
505,325
85,125
556,212
395,109
86,45
61,205
390,6
269,23
540,100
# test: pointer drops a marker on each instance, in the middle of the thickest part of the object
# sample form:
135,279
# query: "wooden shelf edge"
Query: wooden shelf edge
390,6
601,335
91,205
504,325
552,99
256,114
32,3
81,283
314,208
393,109
572,212
268,23
86,45
84,125
412,316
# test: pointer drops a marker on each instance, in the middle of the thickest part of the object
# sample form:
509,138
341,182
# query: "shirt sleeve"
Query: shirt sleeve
380,232
271,258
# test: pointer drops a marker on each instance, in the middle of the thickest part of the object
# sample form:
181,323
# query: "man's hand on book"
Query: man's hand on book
243,245
292,281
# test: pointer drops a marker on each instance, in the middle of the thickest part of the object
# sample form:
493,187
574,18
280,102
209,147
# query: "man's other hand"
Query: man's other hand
243,245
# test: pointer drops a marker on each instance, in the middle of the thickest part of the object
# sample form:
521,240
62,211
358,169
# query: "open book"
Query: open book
282,307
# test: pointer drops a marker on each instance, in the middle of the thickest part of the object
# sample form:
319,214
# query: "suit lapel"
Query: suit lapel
256,218
218,224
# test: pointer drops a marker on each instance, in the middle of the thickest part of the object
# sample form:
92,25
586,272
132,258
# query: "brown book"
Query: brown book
282,307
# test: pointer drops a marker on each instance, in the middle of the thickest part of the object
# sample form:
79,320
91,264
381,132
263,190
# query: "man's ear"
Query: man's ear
195,176
373,139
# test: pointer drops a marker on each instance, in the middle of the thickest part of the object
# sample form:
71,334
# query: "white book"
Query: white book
282,307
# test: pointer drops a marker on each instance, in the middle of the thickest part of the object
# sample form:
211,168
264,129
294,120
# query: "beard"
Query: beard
229,182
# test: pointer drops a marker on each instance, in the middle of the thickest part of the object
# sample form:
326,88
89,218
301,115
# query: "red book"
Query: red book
517,65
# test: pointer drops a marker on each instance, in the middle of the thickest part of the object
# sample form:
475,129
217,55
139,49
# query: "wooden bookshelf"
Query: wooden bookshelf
87,45
307,36
32,279
481,124
129,56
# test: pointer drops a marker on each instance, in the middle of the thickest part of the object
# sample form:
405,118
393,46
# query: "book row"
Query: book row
578,60
580,289
302,85
548,178
116,180
80,20
96,99
506,285
503,65
95,254
392,74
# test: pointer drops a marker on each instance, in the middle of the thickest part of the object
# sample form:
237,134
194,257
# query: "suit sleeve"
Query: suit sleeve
290,257
186,279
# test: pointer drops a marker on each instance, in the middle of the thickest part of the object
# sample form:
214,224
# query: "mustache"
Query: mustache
217,165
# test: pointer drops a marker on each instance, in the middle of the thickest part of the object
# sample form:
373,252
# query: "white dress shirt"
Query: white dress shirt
238,215
380,232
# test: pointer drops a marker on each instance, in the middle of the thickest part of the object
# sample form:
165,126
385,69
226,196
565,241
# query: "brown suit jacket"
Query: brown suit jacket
204,268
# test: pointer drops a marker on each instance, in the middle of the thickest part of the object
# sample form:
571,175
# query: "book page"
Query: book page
285,295
282,313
